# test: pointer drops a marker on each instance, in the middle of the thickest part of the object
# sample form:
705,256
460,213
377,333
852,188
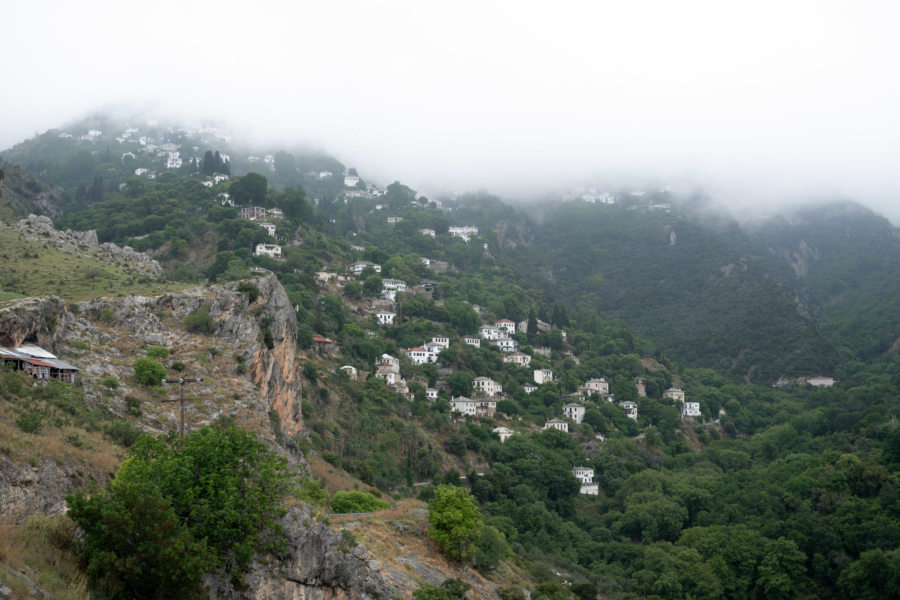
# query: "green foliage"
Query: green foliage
123,433
160,353
110,381
490,549
178,509
356,502
249,289
455,522
30,421
148,371
199,320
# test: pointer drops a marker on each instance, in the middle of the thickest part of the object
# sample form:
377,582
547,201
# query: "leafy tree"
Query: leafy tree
455,522
356,502
135,546
490,549
249,189
149,371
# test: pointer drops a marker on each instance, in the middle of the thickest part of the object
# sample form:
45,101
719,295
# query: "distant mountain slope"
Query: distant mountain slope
675,281
847,263
22,194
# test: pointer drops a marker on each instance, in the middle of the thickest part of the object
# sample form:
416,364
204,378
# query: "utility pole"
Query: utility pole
182,381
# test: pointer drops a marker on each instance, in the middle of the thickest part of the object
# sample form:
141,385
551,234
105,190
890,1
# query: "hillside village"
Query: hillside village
401,342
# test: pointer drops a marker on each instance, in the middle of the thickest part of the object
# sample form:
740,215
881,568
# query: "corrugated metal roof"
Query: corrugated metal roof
34,351
60,364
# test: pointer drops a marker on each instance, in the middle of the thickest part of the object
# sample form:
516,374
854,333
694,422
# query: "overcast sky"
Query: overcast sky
758,102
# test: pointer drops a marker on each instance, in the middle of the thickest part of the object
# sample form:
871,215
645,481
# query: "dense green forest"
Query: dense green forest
774,492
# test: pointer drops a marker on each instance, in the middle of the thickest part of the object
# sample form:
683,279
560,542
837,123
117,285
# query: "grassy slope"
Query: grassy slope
34,269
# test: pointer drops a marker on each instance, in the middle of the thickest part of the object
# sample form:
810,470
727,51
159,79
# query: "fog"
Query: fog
760,104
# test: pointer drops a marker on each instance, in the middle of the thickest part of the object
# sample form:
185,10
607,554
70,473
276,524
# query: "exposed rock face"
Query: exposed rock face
24,194
316,565
32,320
26,490
40,228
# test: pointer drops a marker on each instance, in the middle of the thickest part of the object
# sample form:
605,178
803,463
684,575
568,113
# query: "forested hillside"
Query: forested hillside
599,380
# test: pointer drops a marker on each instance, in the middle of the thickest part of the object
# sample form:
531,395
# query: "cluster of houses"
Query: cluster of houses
38,363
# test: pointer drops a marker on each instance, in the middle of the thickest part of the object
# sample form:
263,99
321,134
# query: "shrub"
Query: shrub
178,366
123,433
30,422
158,352
148,371
455,522
199,321
250,290
268,340
356,502
106,315
110,382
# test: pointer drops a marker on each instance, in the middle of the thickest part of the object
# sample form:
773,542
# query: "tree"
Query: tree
455,522
249,189
149,371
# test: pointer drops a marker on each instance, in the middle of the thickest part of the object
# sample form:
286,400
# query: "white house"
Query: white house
503,433
517,358
428,232
463,405
464,232
390,361
574,411
273,250
357,267
473,341
556,424
590,489
421,355
385,318
487,386
584,474
820,381
690,409
350,370
394,219
506,325
674,393
595,386
542,376
631,409
507,345
350,181
529,388
489,332
388,373
431,394
396,285
269,227
443,342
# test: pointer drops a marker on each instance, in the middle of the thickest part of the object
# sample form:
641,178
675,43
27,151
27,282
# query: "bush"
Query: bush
178,366
30,422
123,433
356,502
148,371
250,290
158,352
199,321
455,522
176,510
110,382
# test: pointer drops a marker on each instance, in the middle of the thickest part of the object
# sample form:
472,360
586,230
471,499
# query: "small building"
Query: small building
506,325
595,386
390,361
583,474
517,358
630,409
351,181
542,376
507,345
385,318
323,345
38,363
690,409
487,386
574,411
442,341
485,407
396,285
820,381
489,332
431,394
395,219
464,406
390,375
350,371
473,341
556,424
529,388
358,267
428,232
421,355
674,393
269,227
273,250
253,212
503,433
